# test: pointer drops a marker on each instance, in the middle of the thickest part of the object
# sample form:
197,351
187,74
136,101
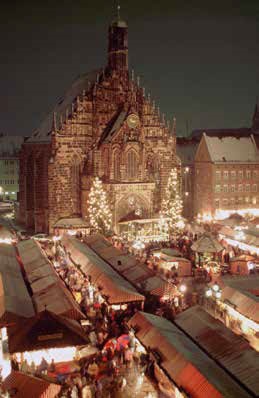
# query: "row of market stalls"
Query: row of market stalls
114,287
182,367
48,290
38,315
238,305
231,351
131,269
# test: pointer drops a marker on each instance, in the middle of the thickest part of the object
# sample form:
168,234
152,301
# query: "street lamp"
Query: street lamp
182,288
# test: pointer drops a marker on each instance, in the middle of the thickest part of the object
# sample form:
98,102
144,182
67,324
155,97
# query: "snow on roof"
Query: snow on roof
232,149
43,133
10,145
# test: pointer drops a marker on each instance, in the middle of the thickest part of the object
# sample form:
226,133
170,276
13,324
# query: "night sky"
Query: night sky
200,62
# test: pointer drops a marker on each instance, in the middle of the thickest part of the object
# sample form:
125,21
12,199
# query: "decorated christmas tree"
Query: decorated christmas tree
98,208
172,203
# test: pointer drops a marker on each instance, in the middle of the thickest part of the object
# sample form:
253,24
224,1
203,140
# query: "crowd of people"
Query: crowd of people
104,373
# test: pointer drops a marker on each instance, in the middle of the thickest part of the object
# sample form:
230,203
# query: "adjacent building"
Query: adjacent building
226,175
9,166
103,126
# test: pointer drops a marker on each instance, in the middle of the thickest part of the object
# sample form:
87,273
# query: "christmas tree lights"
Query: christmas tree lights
172,203
100,216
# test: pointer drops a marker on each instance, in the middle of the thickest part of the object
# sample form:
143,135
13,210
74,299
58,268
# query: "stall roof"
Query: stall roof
73,222
15,301
114,286
207,244
48,289
187,364
46,330
243,294
30,386
32,256
135,272
232,351
58,299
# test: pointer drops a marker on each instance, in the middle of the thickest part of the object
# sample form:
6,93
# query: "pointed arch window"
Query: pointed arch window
116,165
132,164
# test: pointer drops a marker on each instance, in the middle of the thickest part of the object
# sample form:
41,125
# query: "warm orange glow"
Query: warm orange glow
58,354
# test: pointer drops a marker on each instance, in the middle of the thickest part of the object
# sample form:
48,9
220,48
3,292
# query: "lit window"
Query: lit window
225,188
232,201
240,187
255,174
225,174
225,202
254,187
217,188
247,187
233,175
217,203
240,199
218,175
240,174
254,200
248,174
232,189
247,199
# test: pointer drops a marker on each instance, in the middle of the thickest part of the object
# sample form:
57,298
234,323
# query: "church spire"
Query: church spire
118,44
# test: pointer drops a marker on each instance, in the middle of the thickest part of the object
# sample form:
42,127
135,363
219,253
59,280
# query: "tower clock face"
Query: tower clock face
133,120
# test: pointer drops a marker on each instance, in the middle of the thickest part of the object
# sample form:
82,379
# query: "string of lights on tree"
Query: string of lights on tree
172,204
100,215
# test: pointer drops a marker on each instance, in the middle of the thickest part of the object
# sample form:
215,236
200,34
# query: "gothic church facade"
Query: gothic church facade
104,126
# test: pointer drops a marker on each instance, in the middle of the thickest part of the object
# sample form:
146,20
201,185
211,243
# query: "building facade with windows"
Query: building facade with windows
103,126
9,166
226,176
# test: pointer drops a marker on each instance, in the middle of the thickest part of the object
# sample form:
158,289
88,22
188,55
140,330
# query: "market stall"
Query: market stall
207,248
180,265
242,265
48,289
113,286
135,272
23,385
71,225
15,301
187,366
49,337
145,230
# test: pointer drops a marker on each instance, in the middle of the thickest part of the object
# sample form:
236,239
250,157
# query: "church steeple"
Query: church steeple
118,44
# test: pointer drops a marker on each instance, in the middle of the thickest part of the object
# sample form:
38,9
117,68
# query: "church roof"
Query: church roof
43,133
232,149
